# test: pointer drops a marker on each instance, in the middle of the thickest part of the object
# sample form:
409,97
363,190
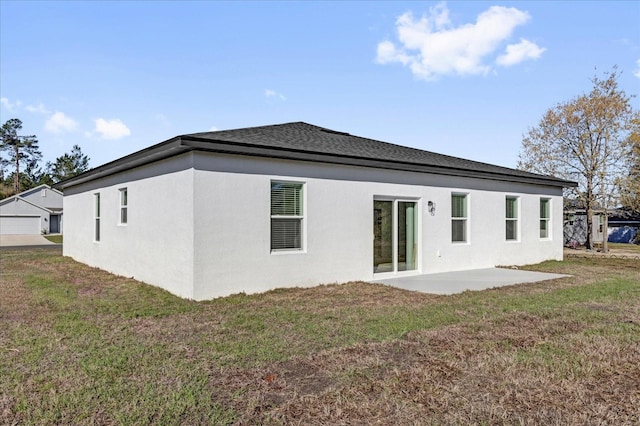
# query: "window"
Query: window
123,206
569,218
286,215
395,235
511,215
459,218
96,236
545,217
43,192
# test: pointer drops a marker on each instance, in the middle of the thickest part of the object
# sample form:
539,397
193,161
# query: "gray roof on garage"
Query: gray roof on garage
306,142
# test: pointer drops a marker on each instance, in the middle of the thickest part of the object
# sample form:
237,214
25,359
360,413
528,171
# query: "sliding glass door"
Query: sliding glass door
395,235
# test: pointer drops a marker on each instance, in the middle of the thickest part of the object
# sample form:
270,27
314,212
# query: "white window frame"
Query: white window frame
464,219
515,218
124,204
300,217
96,216
546,220
394,235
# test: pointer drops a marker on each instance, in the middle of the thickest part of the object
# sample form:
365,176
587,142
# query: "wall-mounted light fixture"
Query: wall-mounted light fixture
432,208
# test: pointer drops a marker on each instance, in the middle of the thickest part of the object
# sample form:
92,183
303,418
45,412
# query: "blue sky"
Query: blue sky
459,78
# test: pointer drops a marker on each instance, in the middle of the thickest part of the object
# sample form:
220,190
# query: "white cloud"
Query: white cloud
111,129
431,46
516,53
637,71
6,104
59,123
273,94
213,129
40,108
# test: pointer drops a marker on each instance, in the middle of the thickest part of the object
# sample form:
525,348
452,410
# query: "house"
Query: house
35,211
248,210
622,226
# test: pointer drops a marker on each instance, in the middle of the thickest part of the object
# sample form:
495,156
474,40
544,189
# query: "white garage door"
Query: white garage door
19,225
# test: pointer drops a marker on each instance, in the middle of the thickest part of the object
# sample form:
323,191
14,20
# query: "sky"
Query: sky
466,79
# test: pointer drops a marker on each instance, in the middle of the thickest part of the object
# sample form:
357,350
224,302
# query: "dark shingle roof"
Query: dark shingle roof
305,137
306,142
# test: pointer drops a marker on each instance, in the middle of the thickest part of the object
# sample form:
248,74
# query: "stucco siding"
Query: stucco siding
156,244
232,223
233,252
199,224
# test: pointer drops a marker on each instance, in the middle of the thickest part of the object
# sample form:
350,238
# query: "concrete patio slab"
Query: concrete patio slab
24,240
459,281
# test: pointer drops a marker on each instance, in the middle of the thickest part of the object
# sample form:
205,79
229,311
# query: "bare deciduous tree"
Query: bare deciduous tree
586,139
630,183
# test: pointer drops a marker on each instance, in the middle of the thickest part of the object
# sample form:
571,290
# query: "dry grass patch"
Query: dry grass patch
81,346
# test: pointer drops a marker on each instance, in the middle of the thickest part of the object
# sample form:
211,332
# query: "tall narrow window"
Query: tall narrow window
407,235
545,217
286,216
123,206
96,235
511,214
601,222
458,218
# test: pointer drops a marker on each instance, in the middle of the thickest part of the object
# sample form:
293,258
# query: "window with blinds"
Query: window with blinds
286,215
511,214
459,218
545,217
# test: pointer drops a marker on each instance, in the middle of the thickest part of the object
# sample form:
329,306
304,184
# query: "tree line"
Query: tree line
20,162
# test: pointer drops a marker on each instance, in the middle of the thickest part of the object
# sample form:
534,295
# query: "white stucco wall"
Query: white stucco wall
232,222
156,244
199,224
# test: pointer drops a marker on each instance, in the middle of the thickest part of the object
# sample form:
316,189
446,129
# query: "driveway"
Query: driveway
24,241
459,281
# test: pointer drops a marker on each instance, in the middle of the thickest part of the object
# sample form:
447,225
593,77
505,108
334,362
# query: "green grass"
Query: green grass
54,238
81,346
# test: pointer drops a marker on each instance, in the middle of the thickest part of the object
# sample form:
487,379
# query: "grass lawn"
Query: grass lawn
634,248
54,238
81,346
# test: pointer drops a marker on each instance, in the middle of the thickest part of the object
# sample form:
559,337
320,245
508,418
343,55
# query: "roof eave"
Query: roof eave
166,149
185,143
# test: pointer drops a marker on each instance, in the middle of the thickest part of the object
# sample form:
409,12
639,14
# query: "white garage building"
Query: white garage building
248,210
35,211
